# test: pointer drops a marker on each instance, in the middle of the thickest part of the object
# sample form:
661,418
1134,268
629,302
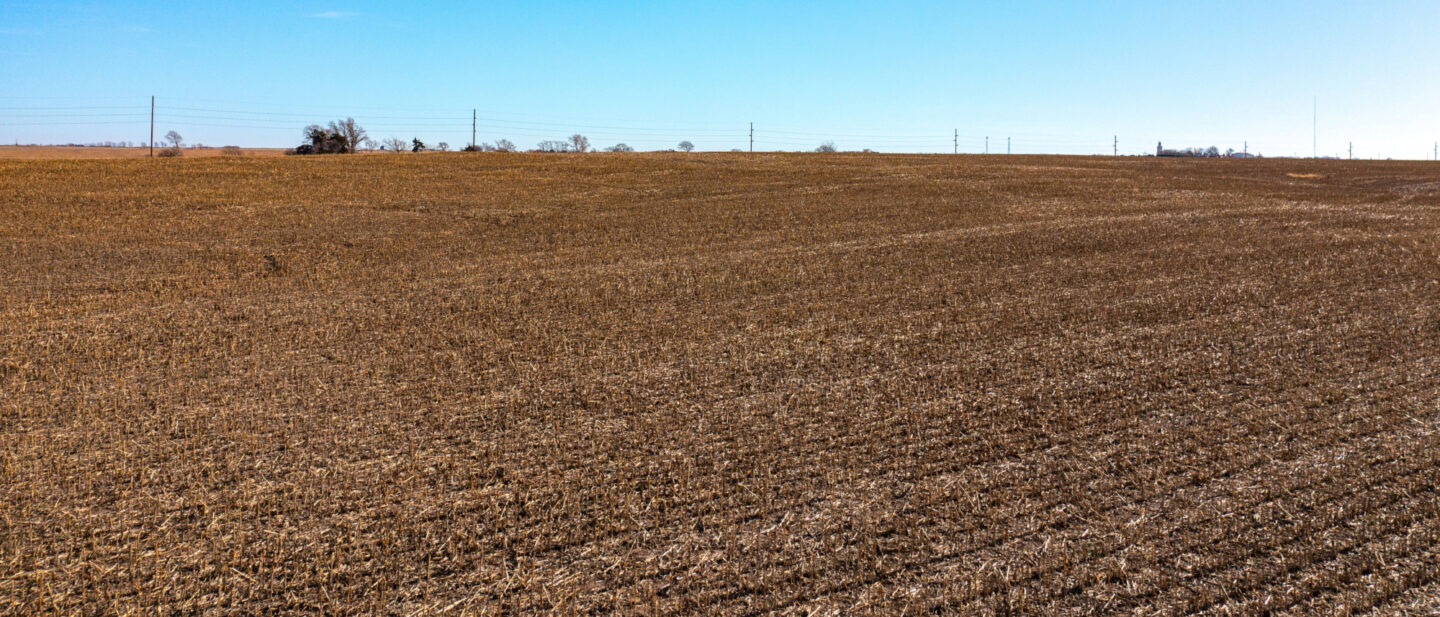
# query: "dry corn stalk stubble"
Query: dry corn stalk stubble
719,384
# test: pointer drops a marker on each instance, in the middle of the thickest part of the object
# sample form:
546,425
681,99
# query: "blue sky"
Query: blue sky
1062,77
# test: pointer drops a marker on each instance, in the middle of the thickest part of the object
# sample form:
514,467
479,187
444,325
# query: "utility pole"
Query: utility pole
957,141
152,126
1007,145
987,144
1247,147
472,129
1352,150
1116,147
752,138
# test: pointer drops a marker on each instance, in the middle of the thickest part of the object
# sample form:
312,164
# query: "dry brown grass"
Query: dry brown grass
82,152
719,384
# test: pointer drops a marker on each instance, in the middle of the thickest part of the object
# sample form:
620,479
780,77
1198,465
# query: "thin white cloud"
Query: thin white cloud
334,15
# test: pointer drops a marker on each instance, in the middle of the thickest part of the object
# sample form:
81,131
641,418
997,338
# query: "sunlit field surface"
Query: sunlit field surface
719,384
93,152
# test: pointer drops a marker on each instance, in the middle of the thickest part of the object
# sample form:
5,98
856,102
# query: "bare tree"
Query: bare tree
442,146
393,144
828,146
323,141
686,146
504,145
353,134
620,147
551,145
578,143
174,139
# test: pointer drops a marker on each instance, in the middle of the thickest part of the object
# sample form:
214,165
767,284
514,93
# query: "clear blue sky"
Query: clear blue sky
1055,76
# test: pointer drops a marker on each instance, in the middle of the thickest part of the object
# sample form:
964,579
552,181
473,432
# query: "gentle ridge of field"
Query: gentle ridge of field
96,152
719,384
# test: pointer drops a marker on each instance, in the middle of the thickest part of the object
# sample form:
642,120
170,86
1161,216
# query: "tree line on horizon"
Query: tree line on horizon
346,136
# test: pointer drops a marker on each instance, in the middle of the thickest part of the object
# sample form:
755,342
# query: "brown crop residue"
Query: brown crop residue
717,385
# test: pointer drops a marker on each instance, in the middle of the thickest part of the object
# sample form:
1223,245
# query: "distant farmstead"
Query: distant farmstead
1211,152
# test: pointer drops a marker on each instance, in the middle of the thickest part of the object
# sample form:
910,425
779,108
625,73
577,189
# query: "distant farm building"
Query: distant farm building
1211,152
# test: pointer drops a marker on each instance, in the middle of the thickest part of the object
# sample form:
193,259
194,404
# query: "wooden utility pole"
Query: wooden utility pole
472,129
957,141
1115,148
1007,145
987,144
752,138
152,126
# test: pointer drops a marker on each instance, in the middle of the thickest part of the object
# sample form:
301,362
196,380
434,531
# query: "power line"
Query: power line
263,120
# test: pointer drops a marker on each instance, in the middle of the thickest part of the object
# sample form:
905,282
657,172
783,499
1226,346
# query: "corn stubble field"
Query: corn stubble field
719,384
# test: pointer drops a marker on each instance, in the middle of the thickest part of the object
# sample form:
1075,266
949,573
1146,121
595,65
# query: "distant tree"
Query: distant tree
322,140
442,146
686,146
231,151
579,143
352,133
620,147
416,145
828,146
551,145
1212,151
504,145
174,139
393,144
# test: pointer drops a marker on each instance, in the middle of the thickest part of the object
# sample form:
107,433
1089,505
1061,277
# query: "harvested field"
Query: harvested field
719,384
93,152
